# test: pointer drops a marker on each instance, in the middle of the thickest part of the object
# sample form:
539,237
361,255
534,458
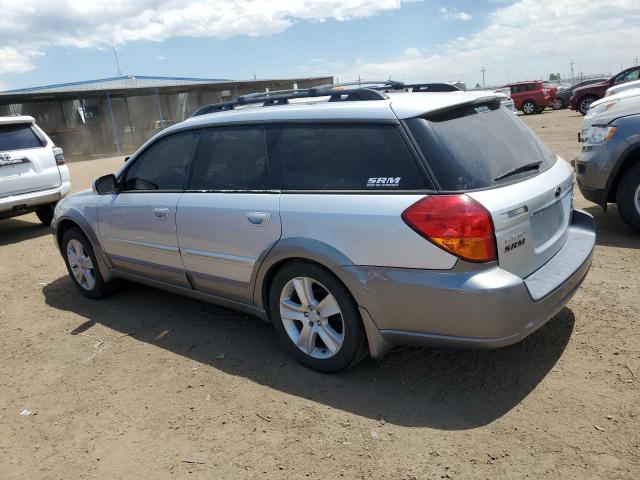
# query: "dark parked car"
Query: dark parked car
583,96
562,97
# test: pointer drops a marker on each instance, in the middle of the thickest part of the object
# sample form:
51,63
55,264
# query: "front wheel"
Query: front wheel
315,318
585,103
628,197
82,265
529,107
558,104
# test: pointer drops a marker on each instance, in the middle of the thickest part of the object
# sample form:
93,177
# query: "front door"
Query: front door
138,224
228,217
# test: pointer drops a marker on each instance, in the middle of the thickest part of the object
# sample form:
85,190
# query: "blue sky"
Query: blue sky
68,40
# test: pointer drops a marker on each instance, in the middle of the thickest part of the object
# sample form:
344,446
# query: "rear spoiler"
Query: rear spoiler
498,97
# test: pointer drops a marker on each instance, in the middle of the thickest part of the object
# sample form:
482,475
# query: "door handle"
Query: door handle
259,219
160,213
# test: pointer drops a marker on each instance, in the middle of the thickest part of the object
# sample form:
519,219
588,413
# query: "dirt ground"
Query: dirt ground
150,385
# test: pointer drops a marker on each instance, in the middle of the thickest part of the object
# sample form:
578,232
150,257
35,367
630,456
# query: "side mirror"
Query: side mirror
105,184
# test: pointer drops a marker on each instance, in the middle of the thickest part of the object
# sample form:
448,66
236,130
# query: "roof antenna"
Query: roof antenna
115,52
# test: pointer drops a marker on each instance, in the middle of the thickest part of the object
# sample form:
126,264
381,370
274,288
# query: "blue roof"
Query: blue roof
116,83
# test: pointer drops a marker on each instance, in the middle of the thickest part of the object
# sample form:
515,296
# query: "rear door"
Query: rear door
228,217
27,163
493,157
138,224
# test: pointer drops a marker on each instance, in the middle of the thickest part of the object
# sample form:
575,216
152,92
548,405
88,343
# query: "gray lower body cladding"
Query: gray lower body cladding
480,308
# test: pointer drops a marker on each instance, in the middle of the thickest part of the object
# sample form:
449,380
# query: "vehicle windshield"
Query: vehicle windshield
479,146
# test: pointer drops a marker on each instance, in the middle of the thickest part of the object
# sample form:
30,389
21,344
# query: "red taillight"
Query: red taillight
455,223
57,153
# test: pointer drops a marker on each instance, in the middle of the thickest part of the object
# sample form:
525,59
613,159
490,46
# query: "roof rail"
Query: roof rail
336,93
341,92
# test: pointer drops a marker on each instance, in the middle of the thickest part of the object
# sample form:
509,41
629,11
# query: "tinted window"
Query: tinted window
469,147
231,158
628,76
18,137
342,157
164,165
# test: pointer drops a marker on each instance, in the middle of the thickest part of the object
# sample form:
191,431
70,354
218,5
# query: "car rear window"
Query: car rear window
469,147
18,137
342,157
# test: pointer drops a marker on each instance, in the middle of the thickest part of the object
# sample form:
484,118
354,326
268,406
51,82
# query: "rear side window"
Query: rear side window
18,137
231,158
164,165
342,157
471,147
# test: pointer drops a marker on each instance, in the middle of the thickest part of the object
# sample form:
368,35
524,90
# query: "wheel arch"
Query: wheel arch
73,219
630,158
290,250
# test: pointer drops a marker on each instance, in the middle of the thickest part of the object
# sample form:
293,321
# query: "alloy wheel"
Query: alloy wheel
528,108
585,104
312,317
636,199
81,265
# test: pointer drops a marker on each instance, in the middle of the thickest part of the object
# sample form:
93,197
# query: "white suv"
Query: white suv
356,220
33,174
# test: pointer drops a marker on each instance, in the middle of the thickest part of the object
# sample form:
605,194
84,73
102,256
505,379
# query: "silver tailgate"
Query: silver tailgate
530,218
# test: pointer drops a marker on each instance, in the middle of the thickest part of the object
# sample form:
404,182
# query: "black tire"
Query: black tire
529,107
585,102
627,197
354,341
45,213
100,287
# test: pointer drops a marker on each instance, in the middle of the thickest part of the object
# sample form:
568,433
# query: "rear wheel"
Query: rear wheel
585,103
558,104
628,197
316,318
529,107
82,265
45,213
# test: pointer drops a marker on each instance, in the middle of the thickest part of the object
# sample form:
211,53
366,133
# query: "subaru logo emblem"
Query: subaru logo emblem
558,191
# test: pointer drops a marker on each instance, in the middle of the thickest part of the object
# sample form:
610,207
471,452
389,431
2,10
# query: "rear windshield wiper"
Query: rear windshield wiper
520,169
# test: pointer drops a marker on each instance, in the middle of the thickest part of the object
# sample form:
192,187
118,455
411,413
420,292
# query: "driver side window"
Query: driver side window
164,165
628,76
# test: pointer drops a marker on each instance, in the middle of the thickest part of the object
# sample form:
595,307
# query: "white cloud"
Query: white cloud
454,13
29,26
525,39
17,60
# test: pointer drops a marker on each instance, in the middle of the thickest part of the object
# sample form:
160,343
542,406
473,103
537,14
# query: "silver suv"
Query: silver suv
354,219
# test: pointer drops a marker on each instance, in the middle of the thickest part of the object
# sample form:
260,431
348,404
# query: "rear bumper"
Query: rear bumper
485,308
18,204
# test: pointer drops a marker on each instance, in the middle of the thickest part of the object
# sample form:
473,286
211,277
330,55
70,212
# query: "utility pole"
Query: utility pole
115,52
483,70
636,60
571,64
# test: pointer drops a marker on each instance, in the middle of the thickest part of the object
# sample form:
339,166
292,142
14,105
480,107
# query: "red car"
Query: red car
583,96
530,97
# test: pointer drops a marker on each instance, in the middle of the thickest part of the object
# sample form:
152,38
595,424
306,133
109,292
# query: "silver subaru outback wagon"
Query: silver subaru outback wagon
355,220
